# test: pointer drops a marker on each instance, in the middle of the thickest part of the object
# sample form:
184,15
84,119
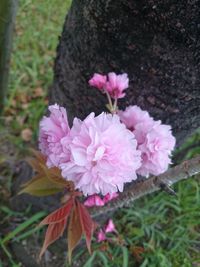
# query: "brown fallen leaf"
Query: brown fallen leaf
38,92
13,103
46,101
25,105
23,98
9,111
8,119
21,120
26,134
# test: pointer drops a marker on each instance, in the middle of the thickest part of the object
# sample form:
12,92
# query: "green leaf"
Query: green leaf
23,226
46,181
89,262
125,256
103,258
27,233
41,187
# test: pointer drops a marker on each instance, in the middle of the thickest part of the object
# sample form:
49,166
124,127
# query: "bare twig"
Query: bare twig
138,189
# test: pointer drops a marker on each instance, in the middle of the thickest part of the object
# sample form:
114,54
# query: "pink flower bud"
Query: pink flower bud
101,236
94,200
117,84
110,227
98,81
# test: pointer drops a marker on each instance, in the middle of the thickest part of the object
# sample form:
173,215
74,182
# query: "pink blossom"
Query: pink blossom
109,197
155,140
94,200
117,84
52,130
156,148
101,236
134,115
103,155
98,81
110,227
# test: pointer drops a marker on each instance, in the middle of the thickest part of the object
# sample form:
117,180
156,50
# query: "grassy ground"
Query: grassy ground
39,24
159,230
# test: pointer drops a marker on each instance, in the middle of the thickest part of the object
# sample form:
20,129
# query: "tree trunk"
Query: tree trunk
156,42
8,10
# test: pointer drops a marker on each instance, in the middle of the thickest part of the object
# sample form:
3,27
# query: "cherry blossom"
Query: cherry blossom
51,131
117,84
103,155
155,140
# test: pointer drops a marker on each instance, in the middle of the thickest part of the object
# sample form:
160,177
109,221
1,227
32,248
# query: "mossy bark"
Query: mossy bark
156,42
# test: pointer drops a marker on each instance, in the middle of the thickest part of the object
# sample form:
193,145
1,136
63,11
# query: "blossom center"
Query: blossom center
98,155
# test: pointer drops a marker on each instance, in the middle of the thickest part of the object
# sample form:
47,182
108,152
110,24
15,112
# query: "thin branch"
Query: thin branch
139,189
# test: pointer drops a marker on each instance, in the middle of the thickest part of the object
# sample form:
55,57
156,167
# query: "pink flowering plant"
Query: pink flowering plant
93,160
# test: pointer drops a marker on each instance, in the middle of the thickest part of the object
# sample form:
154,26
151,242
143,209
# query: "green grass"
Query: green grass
167,228
38,26
27,226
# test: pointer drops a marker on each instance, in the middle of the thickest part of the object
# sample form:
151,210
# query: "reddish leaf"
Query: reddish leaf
74,231
87,224
59,214
54,231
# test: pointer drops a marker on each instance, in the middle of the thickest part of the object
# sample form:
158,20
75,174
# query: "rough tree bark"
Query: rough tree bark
156,42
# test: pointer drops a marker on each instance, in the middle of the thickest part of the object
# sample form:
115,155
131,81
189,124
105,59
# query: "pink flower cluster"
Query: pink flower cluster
102,153
113,84
99,154
155,140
